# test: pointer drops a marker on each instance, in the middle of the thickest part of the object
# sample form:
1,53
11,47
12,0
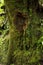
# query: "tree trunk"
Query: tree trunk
19,14
18,18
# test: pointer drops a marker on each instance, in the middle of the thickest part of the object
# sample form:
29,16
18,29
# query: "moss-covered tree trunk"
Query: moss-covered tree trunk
20,17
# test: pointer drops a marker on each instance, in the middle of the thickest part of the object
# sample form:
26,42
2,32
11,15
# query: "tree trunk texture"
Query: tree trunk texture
22,14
